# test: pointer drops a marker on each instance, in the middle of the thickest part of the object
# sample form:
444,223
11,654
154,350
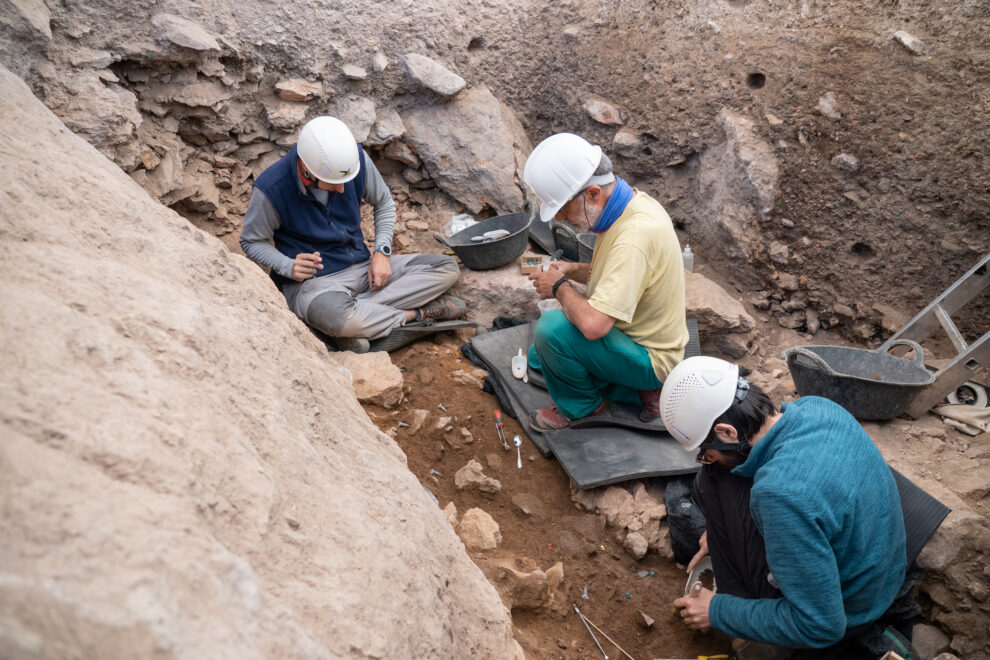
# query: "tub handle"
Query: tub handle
919,352
796,354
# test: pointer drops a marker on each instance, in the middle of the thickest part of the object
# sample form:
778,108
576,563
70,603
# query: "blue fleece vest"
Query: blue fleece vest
306,225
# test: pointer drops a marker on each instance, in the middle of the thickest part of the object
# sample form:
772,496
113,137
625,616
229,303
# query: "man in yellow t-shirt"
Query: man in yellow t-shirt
630,330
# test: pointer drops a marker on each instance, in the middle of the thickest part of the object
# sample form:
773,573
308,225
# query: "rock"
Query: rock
31,18
195,475
530,505
779,253
827,106
401,152
442,422
497,292
354,72
627,142
913,44
846,162
715,309
388,127
86,58
471,476
478,530
523,591
450,513
358,112
733,344
474,148
737,183
774,120
376,379
472,378
288,115
946,656
636,545
298,89
417,225
184,32
928,640
959,531
418,419
844,312
494,461
106,116
788,281
618,506
602,111
648,621
379,62
432,75
812,321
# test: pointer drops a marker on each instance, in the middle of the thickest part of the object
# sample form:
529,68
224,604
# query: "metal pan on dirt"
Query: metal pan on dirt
491,254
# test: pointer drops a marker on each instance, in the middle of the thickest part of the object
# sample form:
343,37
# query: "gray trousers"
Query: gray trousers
342,304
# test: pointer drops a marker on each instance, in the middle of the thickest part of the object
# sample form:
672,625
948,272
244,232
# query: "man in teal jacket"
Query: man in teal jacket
804,523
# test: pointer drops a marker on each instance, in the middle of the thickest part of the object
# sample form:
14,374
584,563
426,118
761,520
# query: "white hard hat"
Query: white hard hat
559,168
696,392
328,150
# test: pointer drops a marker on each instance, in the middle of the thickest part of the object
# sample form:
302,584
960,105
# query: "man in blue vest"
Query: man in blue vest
304,223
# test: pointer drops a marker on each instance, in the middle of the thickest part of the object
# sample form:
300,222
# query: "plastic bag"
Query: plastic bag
459,222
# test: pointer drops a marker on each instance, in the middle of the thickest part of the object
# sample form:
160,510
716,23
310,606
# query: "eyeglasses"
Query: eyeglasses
579,193
703,458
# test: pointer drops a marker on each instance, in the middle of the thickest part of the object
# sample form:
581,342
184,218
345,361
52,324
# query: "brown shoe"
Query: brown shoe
551,419
443,308
651,405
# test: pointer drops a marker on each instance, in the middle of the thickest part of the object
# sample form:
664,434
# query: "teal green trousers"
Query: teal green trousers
580,372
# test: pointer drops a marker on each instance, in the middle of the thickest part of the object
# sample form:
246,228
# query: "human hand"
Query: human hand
543,281
379,271
694,609
305,265
702,552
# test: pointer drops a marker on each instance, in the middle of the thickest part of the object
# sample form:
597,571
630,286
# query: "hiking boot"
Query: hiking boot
749,650
352,344
651,405
551,419
443,308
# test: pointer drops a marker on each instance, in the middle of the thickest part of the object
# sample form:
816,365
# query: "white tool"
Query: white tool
493,235
695,577
589,632
517,441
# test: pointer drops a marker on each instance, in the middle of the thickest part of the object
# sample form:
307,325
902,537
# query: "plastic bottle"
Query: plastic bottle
688,258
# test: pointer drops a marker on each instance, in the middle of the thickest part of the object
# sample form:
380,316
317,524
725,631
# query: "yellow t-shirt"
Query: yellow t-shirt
637,278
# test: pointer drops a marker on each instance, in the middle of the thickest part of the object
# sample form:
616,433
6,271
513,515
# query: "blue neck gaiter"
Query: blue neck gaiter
616,204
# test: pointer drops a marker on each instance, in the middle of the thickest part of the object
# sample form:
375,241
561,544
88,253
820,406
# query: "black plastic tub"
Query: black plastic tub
871,385
491,254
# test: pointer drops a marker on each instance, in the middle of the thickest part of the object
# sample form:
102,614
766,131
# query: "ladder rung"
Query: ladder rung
950,328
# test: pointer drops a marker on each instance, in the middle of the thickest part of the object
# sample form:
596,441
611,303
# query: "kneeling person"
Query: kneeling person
630,330
804,522
308,205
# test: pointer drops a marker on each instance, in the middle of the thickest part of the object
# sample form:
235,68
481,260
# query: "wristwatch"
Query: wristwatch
384,249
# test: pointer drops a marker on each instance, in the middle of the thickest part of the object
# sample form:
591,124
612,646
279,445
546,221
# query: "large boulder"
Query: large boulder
723,322
474,147
185,473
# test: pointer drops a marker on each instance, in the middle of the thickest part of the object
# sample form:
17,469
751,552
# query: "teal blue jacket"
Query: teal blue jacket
827,506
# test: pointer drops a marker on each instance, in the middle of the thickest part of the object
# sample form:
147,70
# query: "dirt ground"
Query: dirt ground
560,533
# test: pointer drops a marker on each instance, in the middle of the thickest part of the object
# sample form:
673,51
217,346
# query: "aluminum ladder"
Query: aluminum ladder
969,357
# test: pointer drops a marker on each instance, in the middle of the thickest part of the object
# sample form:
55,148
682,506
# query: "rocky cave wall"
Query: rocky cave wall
183,473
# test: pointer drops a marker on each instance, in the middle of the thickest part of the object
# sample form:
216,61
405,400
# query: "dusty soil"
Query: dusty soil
562,533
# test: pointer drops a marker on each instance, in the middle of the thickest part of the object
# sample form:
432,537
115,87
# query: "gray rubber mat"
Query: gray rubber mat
410,332
922,514
497,348
610,454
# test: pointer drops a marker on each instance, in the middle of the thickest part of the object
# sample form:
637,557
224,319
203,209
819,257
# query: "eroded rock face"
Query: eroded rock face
192,477
737,183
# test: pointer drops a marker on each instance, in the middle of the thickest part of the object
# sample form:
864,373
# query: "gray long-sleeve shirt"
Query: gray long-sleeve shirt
261,220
